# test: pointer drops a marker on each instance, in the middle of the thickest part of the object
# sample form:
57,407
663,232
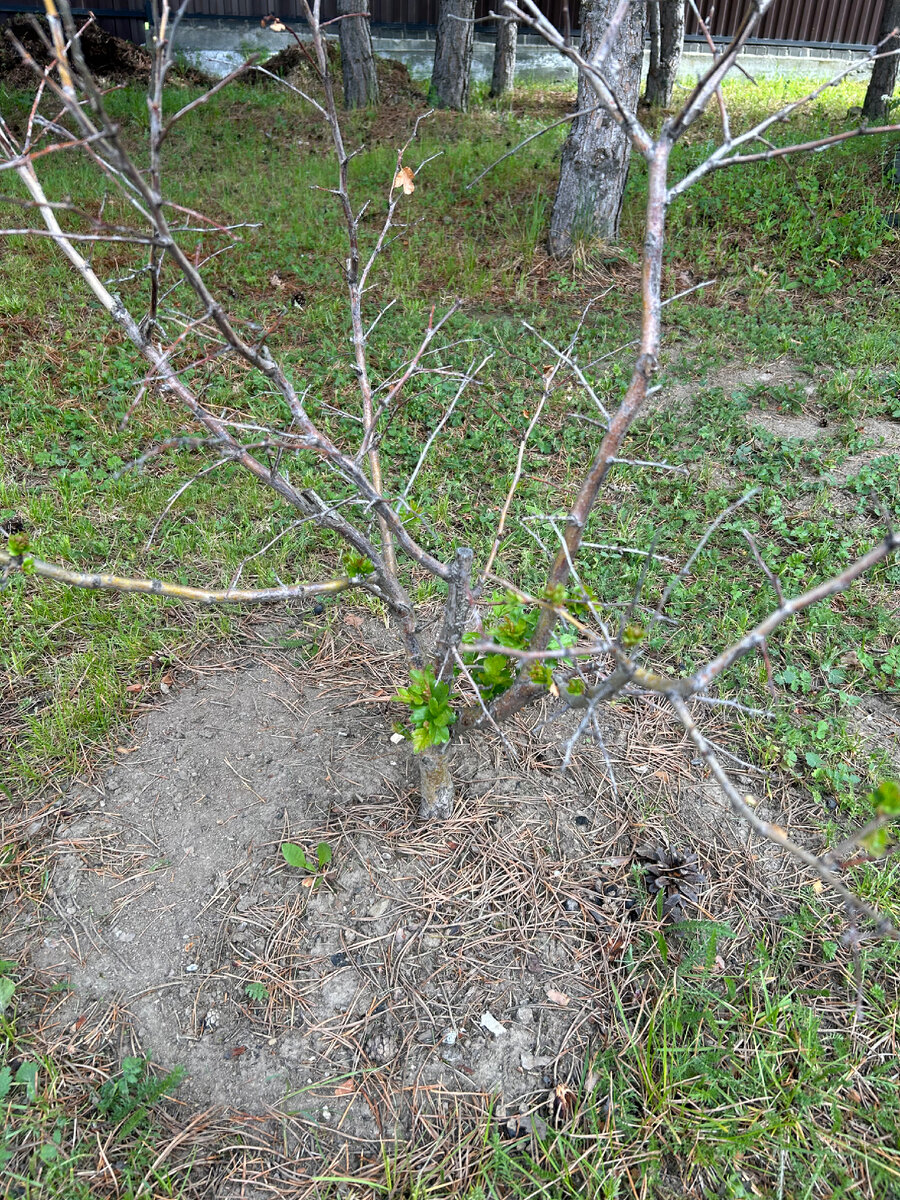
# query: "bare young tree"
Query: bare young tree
454,39
504,73
357,59
596,153
665,20
884,71
180,340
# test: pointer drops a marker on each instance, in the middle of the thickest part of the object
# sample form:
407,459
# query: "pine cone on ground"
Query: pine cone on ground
674,873
606,902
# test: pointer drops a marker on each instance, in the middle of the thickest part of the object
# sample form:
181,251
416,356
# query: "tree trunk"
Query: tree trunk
653,35
595,156
504,74
435,778
669,38
453,54
884,72
357,60
436,790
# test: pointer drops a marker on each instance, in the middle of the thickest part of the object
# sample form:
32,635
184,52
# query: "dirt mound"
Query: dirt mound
297,65
112,60
432,970
395,84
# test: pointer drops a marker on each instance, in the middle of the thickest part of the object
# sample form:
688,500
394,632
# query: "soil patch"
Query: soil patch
430,971
111,60
808,424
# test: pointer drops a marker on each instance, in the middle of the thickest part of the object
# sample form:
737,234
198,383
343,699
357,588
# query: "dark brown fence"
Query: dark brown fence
828,22
415,13
832,22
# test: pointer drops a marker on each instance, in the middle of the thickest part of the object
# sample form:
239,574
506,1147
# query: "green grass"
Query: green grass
720,1085
57,1110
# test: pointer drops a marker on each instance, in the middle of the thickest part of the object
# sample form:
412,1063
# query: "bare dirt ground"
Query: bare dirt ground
433,971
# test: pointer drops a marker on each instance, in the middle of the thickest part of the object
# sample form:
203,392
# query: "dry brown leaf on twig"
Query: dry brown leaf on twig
404,178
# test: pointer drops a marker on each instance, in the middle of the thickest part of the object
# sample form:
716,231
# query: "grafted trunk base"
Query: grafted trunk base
436,788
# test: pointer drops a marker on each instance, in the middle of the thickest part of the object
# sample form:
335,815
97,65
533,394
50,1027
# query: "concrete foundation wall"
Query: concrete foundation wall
220,46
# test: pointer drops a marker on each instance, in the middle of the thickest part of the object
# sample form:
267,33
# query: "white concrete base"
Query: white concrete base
219,46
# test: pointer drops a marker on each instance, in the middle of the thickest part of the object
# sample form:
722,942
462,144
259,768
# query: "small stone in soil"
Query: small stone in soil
492,1025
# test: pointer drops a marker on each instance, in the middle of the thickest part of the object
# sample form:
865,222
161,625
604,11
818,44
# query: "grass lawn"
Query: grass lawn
770,1083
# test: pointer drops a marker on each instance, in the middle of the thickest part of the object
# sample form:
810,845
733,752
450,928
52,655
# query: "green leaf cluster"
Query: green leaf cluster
26,1075
356,564
7,985
128,1095
430,711
295,856
886,799
514,625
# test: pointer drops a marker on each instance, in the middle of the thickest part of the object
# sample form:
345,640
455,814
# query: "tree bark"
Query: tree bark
668,42
504,74
596,153
453,54
436,789
653,36
357,59
884,72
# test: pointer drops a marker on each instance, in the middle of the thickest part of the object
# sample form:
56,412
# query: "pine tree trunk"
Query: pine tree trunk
595,156
357,60
653,35
436,789
884,72
670,43
453,54
504,74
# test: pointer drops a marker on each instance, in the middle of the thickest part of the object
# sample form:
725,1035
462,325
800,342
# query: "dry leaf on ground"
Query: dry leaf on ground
556,997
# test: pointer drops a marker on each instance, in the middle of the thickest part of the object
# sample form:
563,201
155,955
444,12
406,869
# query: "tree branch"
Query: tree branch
118,583
774,833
